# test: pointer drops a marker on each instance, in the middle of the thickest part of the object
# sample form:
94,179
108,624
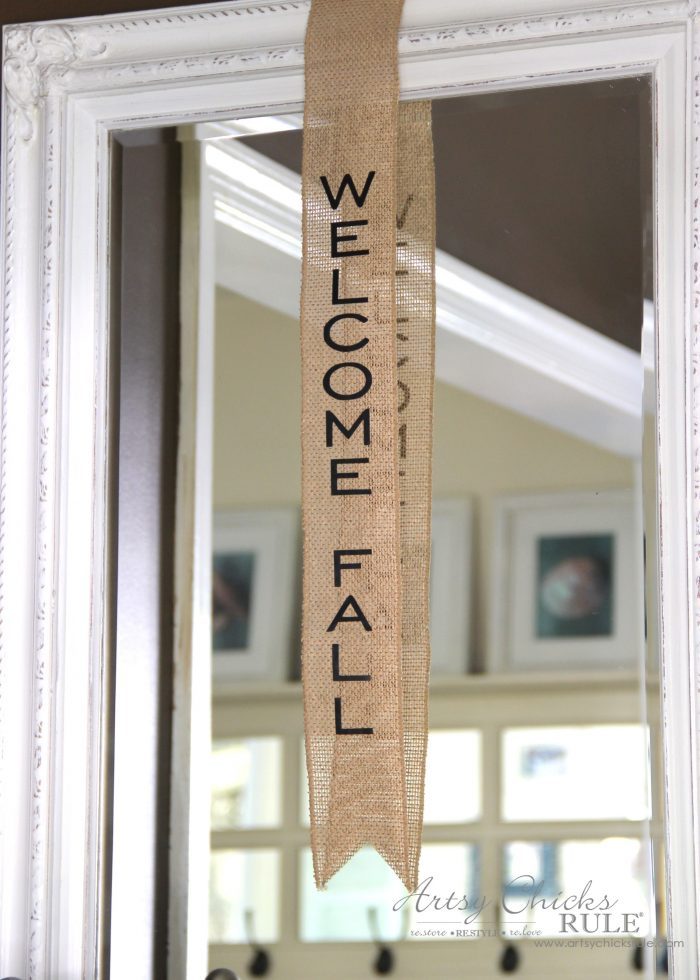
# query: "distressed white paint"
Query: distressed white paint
66,88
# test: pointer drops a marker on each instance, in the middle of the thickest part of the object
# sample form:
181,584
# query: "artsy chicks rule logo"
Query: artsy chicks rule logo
523,907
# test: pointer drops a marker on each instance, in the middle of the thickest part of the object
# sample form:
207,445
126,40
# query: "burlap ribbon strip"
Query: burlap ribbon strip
367,325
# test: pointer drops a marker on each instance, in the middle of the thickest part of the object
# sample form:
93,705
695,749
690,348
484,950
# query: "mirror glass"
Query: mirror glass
543,831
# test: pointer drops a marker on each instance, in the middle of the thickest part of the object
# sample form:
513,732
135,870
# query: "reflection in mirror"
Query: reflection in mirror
543,828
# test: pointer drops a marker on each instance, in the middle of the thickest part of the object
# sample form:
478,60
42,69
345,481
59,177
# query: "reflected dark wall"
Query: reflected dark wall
146,329
548,191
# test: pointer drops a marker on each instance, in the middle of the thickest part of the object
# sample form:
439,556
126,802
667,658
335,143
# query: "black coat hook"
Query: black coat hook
385,960
510,959
220,973
638,957
261,963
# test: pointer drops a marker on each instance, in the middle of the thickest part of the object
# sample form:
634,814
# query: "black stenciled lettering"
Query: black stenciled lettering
339,565
334,343
337,299
348,182
340,616
357,380
401,218
337,676
402,441
353,365
361,420
337,475
339,730
336,253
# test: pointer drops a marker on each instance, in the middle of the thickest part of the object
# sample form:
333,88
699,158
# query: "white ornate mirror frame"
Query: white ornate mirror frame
67,87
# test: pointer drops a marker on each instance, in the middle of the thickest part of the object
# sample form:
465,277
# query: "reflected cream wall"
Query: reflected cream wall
480,449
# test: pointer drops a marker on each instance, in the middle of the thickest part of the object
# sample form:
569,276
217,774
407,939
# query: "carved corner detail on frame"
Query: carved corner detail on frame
35,55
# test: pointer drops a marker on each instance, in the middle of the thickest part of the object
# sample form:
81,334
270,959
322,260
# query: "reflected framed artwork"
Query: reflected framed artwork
565,595
254,582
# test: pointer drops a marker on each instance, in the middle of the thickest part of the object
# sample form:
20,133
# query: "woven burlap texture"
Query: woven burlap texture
366,788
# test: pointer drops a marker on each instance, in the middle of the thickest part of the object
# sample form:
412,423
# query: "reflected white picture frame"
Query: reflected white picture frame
521,524
450,587
270,538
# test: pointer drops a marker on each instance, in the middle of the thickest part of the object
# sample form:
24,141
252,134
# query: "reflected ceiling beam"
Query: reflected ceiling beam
492,341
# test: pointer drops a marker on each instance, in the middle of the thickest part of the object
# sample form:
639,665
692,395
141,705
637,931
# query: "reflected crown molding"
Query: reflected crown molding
549,367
